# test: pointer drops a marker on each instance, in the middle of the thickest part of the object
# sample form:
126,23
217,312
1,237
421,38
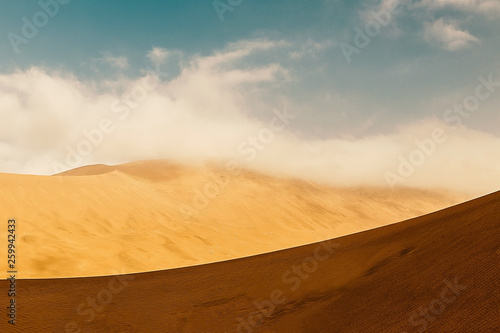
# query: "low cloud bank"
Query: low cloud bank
217,109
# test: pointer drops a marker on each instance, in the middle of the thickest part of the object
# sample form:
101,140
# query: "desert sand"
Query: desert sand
373,281
145,216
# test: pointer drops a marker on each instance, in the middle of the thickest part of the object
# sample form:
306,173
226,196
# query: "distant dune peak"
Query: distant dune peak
89,170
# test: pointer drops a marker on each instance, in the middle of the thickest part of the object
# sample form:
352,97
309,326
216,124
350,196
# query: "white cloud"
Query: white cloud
235,51
448,35
443,30
158,55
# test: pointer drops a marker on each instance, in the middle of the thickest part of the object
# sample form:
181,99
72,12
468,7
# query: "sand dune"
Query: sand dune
438,272
144,216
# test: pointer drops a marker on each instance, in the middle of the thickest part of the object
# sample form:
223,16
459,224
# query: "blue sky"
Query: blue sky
83,29
427,58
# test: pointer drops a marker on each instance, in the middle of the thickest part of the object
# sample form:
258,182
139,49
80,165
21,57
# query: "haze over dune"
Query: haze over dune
151,215
437,272
217,109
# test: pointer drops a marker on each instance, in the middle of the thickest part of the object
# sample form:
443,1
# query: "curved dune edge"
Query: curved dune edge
117,275
374,280
147,216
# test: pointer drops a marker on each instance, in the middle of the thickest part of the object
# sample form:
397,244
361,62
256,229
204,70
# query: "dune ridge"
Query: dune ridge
101,220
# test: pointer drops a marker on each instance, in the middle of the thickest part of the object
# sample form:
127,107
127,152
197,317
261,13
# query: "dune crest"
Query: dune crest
152,215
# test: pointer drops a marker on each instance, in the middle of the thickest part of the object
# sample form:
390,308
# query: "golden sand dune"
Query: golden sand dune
153,215
435,273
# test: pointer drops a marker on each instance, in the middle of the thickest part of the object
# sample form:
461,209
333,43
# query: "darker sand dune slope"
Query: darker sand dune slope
373,281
